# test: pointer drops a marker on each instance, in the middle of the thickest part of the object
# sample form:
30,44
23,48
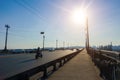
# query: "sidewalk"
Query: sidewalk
79,68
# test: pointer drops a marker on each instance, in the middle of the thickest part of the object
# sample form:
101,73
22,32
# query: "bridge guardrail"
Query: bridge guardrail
109,66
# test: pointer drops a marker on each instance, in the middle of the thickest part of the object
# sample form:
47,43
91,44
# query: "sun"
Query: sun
79,16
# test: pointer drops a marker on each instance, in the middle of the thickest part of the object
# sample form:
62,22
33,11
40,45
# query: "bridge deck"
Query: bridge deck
12,64
79,68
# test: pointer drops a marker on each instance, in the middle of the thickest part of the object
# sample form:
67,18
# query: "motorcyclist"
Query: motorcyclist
38,53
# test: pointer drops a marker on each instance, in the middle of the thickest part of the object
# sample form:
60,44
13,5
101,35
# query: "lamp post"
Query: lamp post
63,44
43,39
68,45
87,34
56,44
7,26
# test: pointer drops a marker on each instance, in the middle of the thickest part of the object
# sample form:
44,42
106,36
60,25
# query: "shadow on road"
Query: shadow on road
27,60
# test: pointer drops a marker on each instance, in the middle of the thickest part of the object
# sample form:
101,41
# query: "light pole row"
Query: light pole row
56,42
7,27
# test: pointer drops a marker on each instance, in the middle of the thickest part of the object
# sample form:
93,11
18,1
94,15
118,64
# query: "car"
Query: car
51,49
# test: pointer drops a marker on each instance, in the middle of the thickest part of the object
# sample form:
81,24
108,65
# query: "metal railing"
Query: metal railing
43,68
109,66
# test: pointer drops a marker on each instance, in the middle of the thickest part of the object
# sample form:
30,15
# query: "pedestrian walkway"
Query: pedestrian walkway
79,68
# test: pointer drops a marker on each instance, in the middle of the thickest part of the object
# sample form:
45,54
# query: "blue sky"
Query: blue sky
27,18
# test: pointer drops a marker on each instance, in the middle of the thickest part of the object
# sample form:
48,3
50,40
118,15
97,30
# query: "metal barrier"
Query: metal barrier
109,66
43,68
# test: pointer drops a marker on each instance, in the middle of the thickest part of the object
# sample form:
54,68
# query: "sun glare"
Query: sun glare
79,16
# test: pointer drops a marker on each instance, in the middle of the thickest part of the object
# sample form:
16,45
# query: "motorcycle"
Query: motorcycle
38,55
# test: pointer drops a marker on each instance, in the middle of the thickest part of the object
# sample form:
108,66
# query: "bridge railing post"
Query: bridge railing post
118,72
54,67
45,73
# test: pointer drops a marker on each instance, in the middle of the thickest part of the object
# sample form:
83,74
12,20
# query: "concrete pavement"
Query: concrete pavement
80,67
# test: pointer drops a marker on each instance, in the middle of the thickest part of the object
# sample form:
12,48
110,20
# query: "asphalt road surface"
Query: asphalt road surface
17,63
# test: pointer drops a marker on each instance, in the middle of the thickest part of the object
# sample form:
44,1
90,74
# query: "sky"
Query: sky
27,18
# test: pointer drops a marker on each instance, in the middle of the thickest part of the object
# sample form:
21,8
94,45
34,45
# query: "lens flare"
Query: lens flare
79,16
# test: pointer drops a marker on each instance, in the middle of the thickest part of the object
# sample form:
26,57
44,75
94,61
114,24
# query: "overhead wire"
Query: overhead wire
26,7
31,9
34,10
